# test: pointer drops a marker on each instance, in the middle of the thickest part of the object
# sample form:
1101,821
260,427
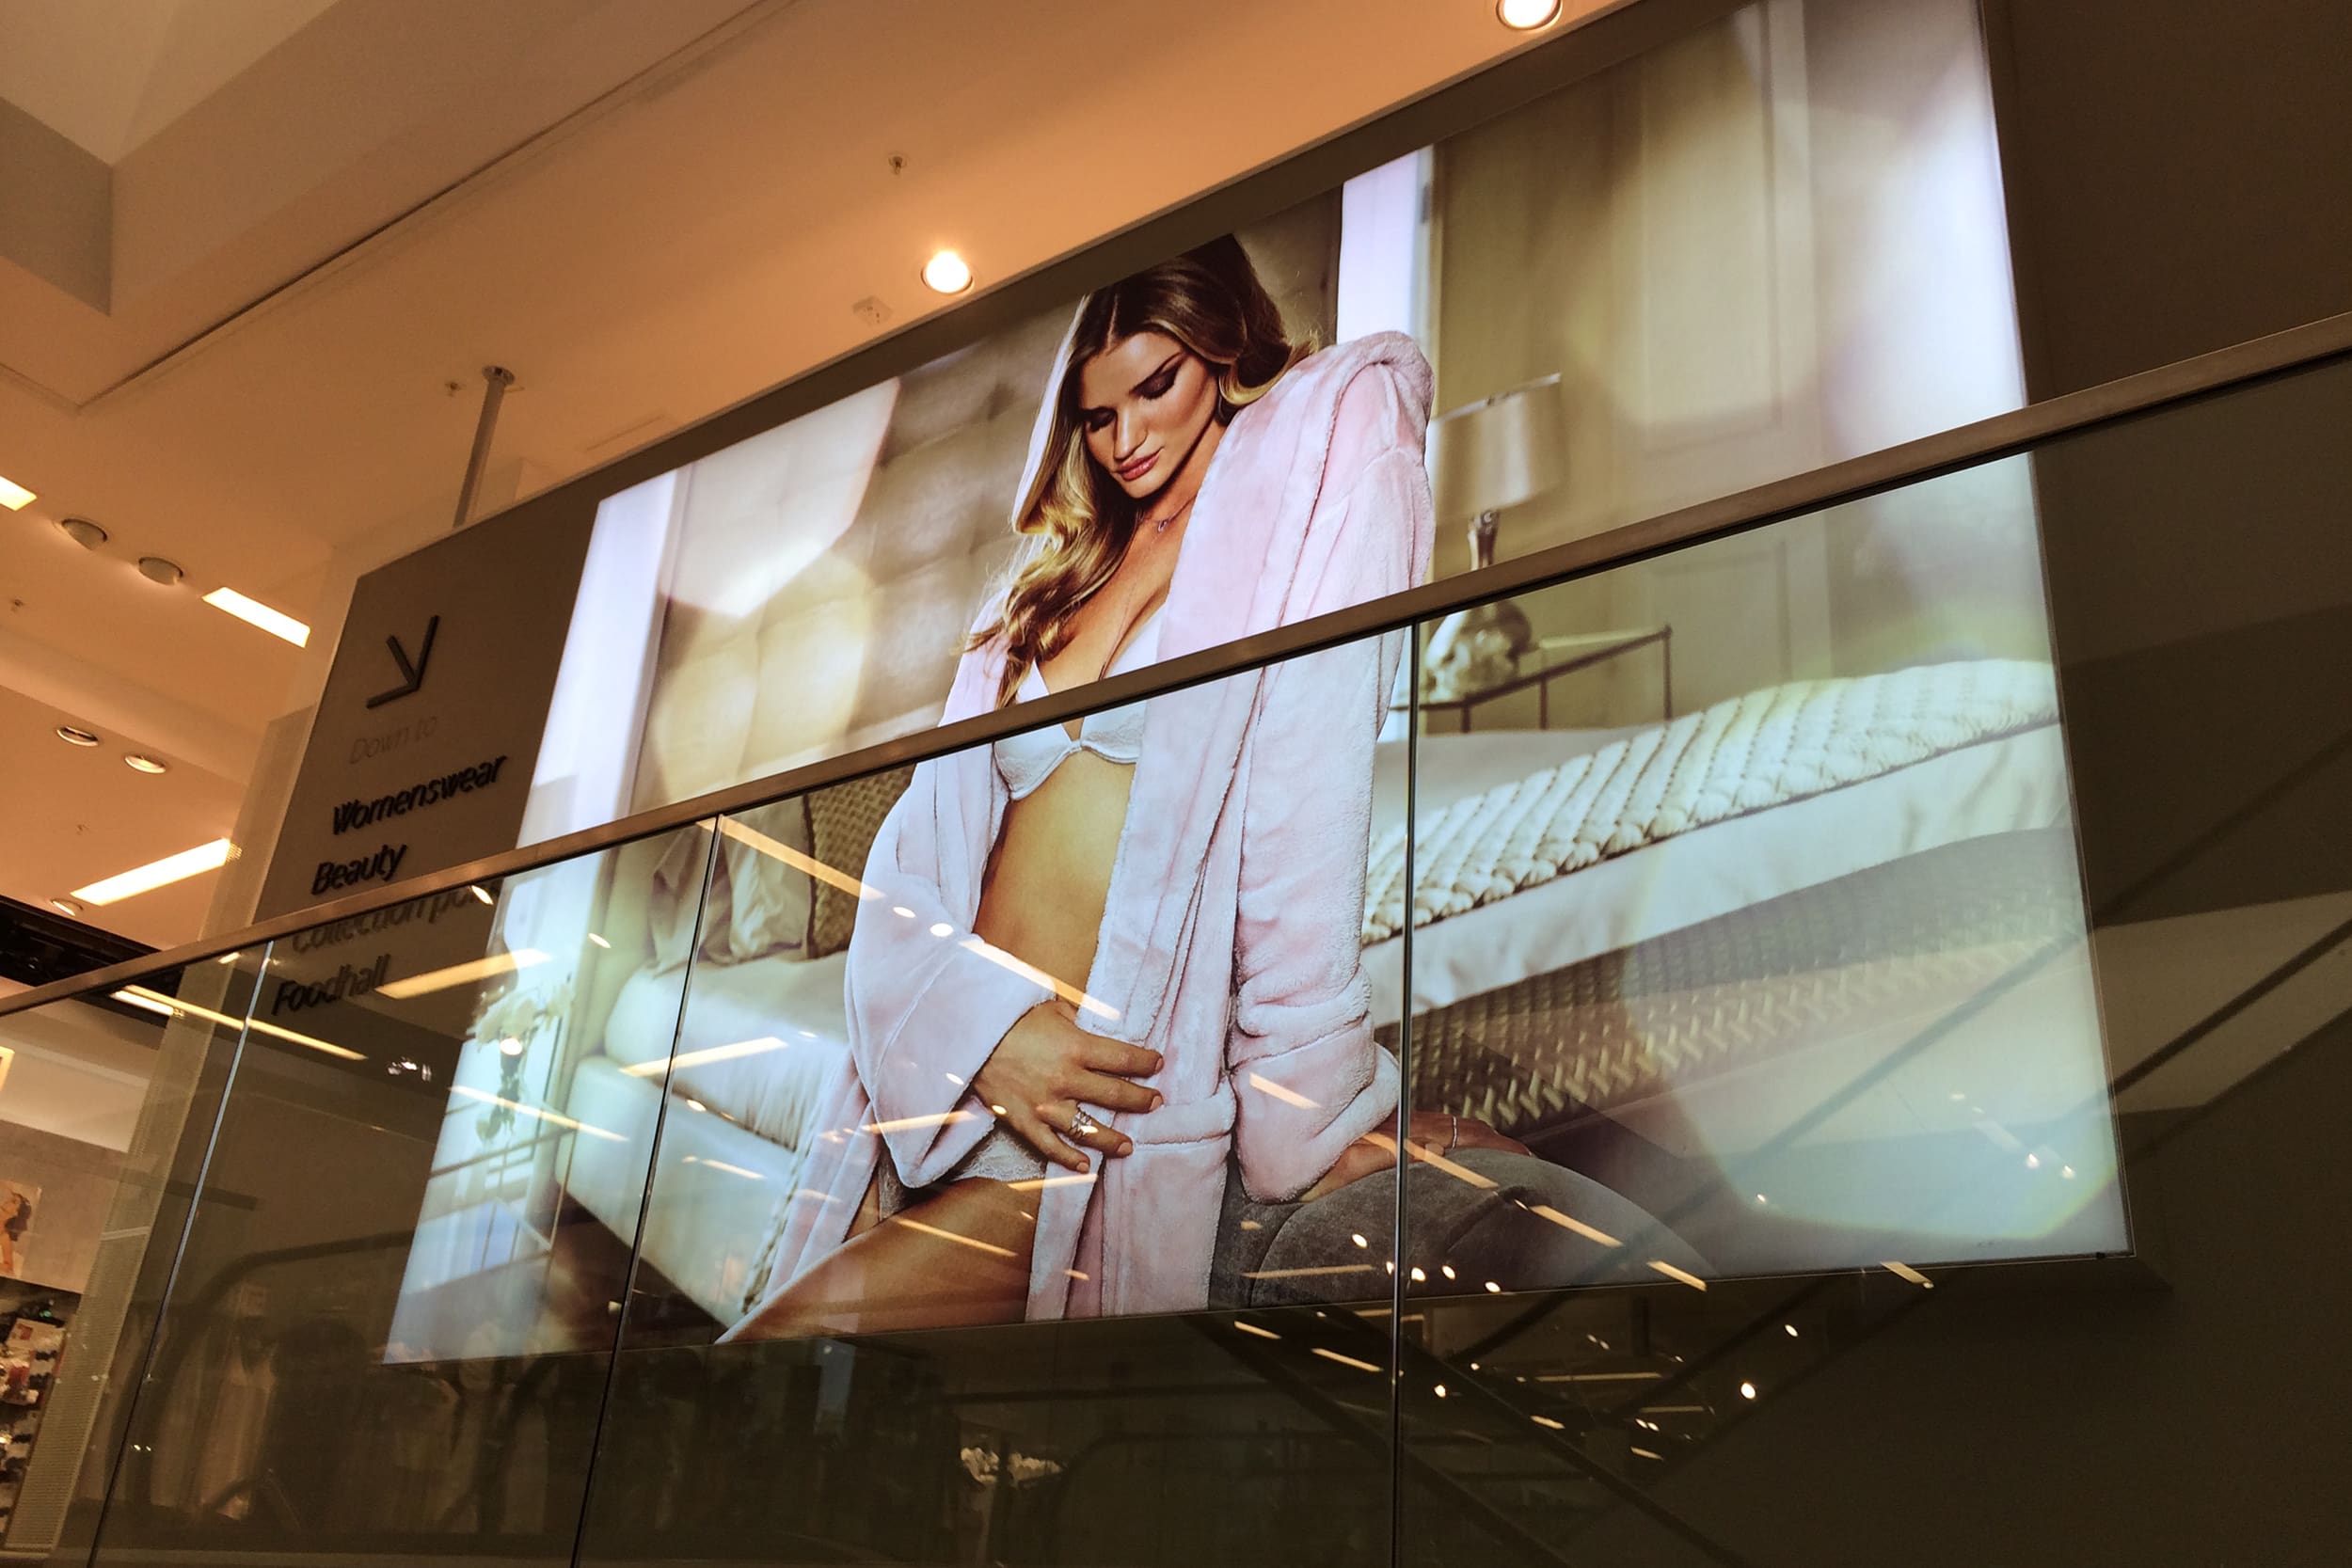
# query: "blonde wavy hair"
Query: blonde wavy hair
1079,521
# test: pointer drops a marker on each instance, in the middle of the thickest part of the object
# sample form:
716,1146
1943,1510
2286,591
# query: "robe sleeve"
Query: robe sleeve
926,1000
1308,1075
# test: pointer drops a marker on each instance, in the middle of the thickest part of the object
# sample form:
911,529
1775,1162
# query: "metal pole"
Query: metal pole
496,379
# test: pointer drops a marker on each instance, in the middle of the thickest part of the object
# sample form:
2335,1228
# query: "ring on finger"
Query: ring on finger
1083,1125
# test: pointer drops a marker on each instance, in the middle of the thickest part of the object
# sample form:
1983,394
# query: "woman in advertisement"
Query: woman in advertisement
1109,962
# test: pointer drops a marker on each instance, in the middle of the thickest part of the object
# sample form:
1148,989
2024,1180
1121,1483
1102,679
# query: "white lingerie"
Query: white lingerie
1025,761
1115,734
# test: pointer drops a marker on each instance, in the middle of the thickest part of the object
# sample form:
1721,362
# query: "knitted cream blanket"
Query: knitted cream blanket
1744,754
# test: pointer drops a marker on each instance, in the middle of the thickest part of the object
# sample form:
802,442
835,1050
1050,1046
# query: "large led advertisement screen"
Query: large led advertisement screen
1714,914
1682,952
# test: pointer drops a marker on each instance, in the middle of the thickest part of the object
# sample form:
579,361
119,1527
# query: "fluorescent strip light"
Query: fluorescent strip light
135,1000
1460,1173
534,1112
1683,1276
253,612
1253,1328
1288,1095
793,858
14,495
1317,1271
1032,1183
148,998
146,879
707,1053
1345,1360
460,974
951,1236
1565,1223
1030,973
1907,1272
902,1124
722,1165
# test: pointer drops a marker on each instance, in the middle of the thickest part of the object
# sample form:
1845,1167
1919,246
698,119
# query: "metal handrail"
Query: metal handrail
2003,435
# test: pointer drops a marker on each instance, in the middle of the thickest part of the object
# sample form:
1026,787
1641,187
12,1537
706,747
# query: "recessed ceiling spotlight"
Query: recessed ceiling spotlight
253,612
73,736
65,906
946,273
14,495
1525,16
139,761
82,531
154,568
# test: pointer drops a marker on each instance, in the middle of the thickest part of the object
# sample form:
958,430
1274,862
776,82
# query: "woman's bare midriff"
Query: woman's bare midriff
1049,878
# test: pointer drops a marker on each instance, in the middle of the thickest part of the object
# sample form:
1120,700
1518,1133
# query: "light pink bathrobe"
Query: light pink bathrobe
1230,942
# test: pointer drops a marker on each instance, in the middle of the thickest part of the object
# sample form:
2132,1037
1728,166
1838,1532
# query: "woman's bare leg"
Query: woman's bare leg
955,1259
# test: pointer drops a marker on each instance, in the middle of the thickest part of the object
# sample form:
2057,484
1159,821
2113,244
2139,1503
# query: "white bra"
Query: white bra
1115,735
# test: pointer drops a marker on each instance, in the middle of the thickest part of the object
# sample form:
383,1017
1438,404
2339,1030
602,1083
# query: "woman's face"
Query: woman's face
1144,403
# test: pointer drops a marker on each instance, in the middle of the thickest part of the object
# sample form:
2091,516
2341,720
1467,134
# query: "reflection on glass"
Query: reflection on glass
1798,979
106,1106
1767,1017
1873,1053
856,1140
414,1207
851,1139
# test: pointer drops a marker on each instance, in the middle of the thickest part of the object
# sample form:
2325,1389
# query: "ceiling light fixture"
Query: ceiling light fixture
461,974
149,1002
155,569
73,736
65,906
255,613
191,1009
946,273
1525,16
82,531
139,761
14,495
146,879
706,1054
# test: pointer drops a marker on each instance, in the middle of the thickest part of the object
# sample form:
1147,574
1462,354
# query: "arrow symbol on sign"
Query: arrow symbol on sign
411,675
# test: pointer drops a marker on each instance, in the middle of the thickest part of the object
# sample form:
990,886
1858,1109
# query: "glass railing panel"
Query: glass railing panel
1951,1294
872,1319
107,1102
1748,906
393,1316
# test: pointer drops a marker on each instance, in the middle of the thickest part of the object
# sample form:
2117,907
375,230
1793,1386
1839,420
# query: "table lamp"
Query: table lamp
1484,457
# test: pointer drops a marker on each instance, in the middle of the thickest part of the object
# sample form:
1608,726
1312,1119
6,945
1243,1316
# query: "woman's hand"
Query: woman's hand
1046,1067
1429,1134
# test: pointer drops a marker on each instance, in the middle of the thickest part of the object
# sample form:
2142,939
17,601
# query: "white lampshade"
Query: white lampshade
1510,448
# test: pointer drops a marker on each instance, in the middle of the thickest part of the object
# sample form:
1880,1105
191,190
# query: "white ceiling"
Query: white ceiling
326,211
107,74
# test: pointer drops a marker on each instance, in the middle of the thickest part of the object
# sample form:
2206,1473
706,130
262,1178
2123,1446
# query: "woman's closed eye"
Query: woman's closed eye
1150,389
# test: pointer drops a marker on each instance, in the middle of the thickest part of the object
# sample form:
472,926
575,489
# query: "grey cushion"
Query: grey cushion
1277,1254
